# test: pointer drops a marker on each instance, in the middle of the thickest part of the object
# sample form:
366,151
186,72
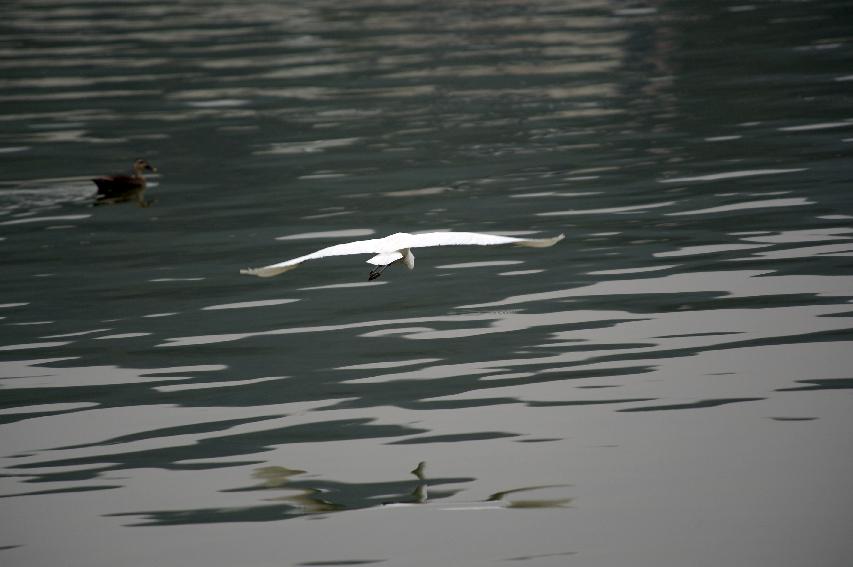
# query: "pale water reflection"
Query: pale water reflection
667,386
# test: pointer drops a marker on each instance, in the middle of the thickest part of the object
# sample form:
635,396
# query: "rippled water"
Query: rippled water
670,385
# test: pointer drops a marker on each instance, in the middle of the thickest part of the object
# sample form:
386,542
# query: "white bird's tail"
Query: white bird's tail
385,259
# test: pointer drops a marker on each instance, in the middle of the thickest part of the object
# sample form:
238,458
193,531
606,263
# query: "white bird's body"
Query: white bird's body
397,247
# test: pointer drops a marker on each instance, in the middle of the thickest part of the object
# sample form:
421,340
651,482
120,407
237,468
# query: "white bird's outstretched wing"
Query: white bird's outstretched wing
474,238
358,247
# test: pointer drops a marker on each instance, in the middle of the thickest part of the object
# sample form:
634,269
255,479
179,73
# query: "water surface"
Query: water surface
669,385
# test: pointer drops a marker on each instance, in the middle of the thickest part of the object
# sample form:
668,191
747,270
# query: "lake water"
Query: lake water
668,386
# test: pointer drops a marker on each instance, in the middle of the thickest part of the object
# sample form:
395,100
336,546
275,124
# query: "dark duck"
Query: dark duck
121,188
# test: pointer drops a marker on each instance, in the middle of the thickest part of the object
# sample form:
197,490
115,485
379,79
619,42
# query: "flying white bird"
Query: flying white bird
398,247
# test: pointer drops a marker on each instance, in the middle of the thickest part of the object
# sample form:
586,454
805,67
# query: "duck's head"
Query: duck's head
141,165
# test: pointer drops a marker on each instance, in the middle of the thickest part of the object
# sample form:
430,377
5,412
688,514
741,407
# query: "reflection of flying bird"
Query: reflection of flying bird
121,188
420,470
398,247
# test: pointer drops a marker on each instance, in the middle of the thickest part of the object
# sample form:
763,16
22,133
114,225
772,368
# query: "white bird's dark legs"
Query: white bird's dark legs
376,272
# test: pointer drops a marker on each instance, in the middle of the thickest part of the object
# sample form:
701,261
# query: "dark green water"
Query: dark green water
670,385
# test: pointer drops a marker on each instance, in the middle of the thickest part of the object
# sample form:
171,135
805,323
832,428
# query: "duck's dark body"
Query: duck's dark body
113,186
121,188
